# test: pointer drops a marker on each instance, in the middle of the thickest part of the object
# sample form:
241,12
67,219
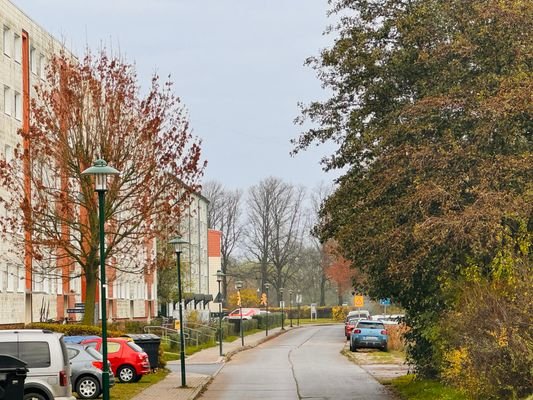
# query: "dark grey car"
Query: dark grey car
86,364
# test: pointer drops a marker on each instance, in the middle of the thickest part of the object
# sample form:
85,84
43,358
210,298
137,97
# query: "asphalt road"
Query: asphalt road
300,364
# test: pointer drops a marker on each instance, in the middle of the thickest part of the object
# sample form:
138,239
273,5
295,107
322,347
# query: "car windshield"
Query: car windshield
135,347
352,321
371,325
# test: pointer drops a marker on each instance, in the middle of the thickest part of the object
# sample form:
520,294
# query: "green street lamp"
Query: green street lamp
267,286
101,170
220,276
290,305
178,244
282,303
238,286
298,301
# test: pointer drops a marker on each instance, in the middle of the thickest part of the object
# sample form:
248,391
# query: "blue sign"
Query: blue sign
384,302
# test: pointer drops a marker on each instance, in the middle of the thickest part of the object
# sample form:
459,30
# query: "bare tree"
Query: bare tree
319,194
223,214
286,235
259,224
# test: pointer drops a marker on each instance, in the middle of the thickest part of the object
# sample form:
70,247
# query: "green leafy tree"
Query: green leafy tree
431,108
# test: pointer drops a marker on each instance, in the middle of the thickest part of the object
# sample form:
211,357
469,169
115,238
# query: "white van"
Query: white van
46,356
361,314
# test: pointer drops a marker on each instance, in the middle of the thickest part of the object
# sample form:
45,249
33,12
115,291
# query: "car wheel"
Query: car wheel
34,396
126,374
352,347
87,387
384,348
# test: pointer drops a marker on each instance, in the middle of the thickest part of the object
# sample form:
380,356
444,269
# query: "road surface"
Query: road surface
301,364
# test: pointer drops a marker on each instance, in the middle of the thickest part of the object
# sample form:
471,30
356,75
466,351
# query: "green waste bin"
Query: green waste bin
12,376
150,344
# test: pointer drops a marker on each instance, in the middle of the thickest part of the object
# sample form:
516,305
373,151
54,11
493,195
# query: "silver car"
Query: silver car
46,357
86,364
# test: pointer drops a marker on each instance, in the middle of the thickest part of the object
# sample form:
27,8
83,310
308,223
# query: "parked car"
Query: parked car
369,334
46,356
87,366
247,313
361,314
128,361
387,319
349,325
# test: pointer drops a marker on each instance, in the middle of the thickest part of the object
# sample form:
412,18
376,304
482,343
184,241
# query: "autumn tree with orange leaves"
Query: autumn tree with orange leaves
87,110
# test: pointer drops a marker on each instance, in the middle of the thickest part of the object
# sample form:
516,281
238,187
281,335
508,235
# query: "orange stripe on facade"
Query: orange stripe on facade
26,161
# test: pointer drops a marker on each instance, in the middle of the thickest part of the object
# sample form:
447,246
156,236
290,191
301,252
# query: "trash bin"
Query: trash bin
12,376
150,344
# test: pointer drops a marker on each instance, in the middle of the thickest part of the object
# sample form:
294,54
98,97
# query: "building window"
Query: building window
33,60
7,100
11,274
7,41
42,66
17,48
8,153
18,106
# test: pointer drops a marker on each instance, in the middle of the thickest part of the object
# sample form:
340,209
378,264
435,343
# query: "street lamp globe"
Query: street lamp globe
101,171
220,275
178,243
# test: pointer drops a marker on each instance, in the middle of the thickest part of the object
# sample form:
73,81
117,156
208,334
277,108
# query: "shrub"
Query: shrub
75,329
339,313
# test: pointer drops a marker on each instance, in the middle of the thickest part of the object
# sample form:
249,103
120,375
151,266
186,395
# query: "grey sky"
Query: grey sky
237,66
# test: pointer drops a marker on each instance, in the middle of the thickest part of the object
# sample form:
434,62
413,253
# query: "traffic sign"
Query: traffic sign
385,302
264,299
358,301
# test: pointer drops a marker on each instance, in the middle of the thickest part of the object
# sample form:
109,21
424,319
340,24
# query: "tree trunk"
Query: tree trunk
339,294
90,297
323,281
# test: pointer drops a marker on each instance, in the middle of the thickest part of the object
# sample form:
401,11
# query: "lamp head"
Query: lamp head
281,290
178,244
220,275
100,170
267,286
238,285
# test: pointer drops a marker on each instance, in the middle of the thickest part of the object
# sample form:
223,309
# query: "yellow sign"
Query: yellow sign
264,299
358,301
177,325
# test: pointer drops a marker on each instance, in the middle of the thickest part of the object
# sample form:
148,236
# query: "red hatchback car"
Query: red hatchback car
349,326
128,361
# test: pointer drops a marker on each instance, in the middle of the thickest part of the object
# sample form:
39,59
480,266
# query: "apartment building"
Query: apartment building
27,293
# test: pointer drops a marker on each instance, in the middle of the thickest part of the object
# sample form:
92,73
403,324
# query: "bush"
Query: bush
274,320
75,329
488,341
339,313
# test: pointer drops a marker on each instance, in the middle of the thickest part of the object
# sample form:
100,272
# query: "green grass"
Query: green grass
410,388
126,391
305,321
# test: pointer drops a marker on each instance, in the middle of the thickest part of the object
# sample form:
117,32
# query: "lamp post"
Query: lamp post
290,305
220,275
298,301
100,170
282,311
267,286
178,243
238,286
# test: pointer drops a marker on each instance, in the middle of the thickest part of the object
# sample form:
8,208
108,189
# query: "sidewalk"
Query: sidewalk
170,387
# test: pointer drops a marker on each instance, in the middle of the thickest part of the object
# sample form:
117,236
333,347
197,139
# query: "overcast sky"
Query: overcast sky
237,65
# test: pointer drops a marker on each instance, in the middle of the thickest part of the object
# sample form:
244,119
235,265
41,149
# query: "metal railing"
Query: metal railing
192,336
